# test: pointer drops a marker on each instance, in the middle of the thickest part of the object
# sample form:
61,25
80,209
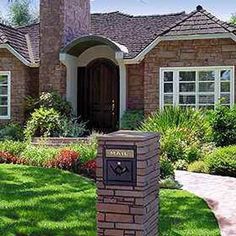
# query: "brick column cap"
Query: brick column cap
125,135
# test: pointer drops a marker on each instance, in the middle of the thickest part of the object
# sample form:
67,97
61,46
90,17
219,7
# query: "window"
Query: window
200,87
4,95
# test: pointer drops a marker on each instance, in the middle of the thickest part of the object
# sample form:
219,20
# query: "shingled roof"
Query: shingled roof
199,22
134,32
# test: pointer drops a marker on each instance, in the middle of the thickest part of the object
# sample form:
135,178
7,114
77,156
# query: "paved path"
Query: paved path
220,194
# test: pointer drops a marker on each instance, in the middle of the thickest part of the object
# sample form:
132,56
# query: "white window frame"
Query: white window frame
176,70
8,116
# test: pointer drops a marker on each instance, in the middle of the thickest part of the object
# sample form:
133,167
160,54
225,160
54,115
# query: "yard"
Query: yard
37,201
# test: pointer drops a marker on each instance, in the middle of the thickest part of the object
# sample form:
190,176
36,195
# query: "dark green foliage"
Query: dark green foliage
49,100
167,168
132,119
233,19
72,128
222,161
14,148
198,167
20,13
12,132
183,134
43,122
223,121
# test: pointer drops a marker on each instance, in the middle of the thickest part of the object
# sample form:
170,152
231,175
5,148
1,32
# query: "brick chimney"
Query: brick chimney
61,21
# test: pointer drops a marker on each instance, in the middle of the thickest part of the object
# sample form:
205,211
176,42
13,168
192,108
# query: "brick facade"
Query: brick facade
130,210
135,78
211,52
61,21
24,82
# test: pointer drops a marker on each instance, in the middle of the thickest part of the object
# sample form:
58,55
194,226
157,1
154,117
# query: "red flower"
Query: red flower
6,157
66,160
89,169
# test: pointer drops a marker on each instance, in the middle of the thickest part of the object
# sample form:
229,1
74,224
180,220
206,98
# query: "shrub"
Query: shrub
183,132
222,161
180,144
132,119
181,165
89,169
199,167
223,122
87,150
38,156
43,122
167,168
71,128
170,183
175,117
6,157
49,100
14,148
66,159
12,132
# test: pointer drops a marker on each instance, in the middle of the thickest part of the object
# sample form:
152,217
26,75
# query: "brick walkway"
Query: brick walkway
220,194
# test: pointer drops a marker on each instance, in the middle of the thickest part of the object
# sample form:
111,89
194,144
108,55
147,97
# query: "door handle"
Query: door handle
113,107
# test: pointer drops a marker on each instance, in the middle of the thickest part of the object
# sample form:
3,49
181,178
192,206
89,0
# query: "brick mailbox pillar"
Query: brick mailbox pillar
127,184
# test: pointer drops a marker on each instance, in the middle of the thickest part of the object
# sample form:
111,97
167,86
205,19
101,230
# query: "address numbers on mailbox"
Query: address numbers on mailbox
120,163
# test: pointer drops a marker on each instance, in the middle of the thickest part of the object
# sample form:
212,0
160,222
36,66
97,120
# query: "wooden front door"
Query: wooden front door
98,95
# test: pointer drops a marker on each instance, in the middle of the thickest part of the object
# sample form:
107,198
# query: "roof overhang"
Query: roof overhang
79,45
18,55
159,39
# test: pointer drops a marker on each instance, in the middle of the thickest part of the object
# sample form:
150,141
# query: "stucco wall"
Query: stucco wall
24,82
190,53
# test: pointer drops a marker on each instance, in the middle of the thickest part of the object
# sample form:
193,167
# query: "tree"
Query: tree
20,13
233,19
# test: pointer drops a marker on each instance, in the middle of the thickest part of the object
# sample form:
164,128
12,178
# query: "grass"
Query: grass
43,202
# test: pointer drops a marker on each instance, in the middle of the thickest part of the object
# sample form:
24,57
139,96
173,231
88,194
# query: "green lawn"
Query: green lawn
35,201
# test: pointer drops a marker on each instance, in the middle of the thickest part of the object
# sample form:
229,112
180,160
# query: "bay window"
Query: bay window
4,95
198,87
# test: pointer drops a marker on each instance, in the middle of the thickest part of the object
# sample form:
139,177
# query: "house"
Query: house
107,63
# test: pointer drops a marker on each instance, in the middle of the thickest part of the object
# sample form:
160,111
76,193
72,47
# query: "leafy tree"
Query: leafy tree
233,19
20,12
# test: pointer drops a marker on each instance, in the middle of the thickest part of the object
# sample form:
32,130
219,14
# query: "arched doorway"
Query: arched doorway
98,95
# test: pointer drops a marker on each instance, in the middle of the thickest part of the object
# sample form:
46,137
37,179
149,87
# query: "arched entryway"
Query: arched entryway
98,94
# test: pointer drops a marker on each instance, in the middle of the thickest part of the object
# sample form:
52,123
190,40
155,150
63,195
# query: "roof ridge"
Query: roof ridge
141,16
218,21
168,28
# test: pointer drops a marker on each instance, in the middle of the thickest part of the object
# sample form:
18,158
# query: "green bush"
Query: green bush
39,156
12,132
199,167
14,148
43,122
87,150
167,168
181,165
132,119
49,100
71,128
223,122
183,132
222,161
170,183
175,117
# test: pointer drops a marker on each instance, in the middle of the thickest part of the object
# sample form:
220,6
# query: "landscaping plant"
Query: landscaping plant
222,161
11,131
223,121
66,159
43,122
132,119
